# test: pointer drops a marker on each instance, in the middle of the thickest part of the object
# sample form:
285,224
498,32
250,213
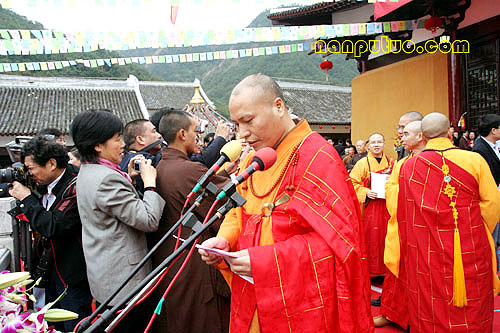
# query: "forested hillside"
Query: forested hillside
218,77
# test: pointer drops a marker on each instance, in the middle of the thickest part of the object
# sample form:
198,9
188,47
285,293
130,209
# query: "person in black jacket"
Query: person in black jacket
486,145
55,217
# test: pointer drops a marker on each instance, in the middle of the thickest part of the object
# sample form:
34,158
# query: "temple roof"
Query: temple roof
28,104
318,103
320,13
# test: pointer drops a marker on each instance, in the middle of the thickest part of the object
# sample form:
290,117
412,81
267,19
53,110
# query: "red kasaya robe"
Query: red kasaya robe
426,229
307,256
375,215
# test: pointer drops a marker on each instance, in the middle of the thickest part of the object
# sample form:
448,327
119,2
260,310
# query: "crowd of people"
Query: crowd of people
305,244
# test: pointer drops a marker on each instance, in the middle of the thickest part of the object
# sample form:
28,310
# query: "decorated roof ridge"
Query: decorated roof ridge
313,86
63,82
330,6
167,83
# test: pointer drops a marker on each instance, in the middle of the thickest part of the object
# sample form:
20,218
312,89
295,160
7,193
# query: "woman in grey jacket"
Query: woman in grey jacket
114,217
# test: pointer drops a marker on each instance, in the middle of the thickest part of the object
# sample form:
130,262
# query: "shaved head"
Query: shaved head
414,127
261,85
257,108
435,125
407,118
412,116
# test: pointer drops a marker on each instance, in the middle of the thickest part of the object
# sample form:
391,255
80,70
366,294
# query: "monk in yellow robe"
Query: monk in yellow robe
375,215
394,300
298,235
448,205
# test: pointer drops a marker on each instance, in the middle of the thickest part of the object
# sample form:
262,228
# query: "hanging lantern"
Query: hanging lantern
320,127
433,23
326,65
333,127
347,127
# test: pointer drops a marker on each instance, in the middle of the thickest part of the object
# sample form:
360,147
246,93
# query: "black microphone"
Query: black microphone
263,159
229,153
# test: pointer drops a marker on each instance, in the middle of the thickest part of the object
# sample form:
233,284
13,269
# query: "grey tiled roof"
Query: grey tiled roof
319,104
318,8
29,104
159,95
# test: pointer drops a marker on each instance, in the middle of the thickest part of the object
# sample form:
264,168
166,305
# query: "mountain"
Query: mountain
12,20
218,77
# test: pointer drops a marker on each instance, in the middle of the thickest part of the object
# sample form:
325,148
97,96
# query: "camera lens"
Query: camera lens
6,176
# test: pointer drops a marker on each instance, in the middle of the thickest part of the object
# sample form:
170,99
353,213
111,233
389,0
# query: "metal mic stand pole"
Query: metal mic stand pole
189,220
211,188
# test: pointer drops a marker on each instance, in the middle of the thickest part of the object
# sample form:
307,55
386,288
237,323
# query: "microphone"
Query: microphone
228,153
263,160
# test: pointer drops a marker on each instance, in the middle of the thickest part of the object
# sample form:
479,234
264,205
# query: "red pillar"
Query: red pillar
454,86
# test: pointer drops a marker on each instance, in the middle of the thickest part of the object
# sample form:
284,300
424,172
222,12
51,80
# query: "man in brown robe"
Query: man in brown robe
199,300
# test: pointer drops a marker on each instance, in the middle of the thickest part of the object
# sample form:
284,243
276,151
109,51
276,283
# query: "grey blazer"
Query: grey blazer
114,220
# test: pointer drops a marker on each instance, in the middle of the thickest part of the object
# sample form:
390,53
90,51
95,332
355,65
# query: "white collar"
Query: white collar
51,186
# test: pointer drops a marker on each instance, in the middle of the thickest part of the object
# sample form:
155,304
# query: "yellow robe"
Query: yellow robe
392,254
361,172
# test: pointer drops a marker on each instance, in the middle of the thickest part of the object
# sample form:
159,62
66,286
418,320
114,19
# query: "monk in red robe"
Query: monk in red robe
298,235
448,205
394,300
375,215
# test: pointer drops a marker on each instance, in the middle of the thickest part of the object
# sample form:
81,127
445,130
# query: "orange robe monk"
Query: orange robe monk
431,248
394,300
301,224
375,214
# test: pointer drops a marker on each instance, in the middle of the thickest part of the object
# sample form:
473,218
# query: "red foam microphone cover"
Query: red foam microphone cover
265,157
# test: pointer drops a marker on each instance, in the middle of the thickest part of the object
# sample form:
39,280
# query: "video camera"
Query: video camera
18,172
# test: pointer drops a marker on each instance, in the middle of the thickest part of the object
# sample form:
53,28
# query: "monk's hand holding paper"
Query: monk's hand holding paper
215,242
241,265
371,194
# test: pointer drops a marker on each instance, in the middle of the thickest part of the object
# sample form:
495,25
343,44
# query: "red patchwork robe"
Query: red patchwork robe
426,228
307,255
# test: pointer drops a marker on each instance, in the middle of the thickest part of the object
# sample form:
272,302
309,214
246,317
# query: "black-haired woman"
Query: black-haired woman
114,217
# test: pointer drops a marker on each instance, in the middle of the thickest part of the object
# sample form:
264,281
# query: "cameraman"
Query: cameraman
141,138
55,217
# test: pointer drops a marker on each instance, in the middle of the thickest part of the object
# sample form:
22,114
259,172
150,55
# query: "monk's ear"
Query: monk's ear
181,135
279,105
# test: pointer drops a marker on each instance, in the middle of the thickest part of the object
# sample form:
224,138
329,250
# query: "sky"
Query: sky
150,15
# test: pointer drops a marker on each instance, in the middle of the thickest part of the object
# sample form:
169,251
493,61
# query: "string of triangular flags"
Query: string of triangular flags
157,59
101,3
28,42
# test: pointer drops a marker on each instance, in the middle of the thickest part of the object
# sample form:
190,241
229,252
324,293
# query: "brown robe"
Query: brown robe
199,300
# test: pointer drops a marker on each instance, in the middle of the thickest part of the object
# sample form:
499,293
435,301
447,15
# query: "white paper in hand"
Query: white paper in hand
224,254
378,181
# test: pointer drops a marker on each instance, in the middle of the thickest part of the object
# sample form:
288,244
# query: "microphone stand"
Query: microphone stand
211,188
188,220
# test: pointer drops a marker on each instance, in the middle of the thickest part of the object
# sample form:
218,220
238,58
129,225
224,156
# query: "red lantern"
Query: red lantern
333,127
326,65
433,23
347,127
320,127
